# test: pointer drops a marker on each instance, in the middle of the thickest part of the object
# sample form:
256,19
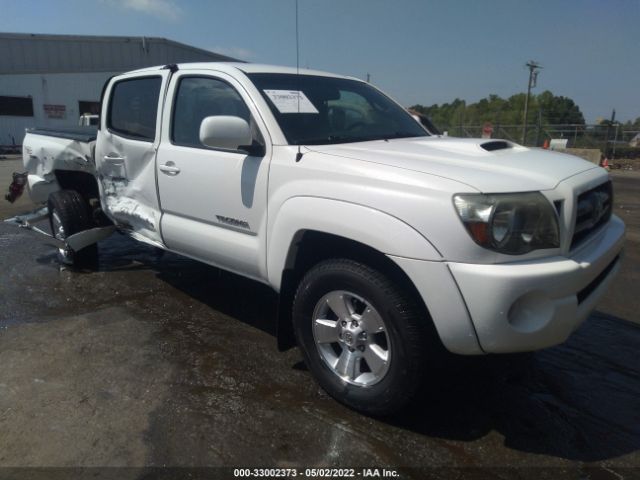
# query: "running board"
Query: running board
76,242
79,240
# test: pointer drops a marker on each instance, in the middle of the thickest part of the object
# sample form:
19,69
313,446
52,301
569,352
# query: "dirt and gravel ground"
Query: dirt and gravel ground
156,360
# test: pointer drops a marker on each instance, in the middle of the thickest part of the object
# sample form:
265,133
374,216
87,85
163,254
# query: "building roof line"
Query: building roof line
107,38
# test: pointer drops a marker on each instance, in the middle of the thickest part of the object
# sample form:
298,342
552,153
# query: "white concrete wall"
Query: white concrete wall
56,89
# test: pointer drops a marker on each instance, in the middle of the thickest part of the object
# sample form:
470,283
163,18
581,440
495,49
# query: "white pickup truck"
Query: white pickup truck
384,242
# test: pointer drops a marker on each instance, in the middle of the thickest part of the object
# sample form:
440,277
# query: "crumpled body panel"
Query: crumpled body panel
42,155
128,185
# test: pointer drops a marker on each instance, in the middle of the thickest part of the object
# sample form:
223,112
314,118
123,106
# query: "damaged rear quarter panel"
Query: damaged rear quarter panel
42,155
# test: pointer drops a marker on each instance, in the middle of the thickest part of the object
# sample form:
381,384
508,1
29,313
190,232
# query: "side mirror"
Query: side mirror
221,131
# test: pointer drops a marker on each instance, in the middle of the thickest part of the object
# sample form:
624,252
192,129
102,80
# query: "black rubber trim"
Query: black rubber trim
588,290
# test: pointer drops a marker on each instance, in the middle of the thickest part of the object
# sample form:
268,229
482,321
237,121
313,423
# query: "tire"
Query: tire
377,373
69,213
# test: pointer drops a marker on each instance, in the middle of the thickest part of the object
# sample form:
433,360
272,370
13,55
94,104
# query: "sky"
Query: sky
417,51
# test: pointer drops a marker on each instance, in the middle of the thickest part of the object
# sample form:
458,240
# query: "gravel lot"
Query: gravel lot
156,360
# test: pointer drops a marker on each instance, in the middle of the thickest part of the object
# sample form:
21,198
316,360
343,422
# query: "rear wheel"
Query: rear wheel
362,337
69,213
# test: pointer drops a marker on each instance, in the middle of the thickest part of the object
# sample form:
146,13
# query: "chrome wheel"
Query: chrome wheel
351,337
58,228
65,255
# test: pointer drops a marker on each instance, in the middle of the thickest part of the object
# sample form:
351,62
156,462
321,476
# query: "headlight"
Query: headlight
509,223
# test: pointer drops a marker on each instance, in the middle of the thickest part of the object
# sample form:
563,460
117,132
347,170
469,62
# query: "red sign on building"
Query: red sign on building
54,111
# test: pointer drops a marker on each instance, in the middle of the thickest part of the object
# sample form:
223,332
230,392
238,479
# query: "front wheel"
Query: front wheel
363,338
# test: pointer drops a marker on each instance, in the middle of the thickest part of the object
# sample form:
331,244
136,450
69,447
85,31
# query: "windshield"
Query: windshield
316,110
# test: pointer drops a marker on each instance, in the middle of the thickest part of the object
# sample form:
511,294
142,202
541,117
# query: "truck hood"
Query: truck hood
490,166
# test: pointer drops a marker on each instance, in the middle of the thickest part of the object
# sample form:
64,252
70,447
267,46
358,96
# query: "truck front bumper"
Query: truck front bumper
527,306
518,306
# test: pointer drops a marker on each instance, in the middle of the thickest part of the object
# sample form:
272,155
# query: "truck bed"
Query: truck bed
79,134
50,150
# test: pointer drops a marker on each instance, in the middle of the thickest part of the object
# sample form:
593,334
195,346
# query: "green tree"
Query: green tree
554,110
559,110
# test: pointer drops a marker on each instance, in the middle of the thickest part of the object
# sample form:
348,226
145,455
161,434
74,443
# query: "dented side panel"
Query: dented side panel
128,188
126,165
42,155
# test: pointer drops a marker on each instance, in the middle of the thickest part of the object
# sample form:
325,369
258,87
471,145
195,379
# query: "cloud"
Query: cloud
165,9
235,52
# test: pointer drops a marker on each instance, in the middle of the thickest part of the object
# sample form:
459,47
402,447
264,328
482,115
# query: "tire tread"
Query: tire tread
409,314
75,216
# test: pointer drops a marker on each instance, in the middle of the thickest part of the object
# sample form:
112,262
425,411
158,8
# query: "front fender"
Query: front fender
379,230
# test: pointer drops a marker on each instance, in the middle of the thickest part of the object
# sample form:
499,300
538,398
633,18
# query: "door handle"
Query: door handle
113,158
169,168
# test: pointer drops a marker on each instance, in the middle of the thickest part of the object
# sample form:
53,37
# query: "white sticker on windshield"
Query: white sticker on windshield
286,101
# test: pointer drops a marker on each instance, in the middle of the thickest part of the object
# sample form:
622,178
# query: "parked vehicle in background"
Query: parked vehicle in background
88,119
384,242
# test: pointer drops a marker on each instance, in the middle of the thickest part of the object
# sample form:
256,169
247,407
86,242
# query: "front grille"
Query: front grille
593,211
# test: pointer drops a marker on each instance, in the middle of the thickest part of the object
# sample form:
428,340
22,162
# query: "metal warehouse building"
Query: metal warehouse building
50,80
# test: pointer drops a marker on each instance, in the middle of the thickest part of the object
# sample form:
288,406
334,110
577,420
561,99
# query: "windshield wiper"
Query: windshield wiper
334,139
346,138
330,139
402,135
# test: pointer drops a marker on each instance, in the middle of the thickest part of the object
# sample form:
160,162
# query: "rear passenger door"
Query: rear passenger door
213,200
126,151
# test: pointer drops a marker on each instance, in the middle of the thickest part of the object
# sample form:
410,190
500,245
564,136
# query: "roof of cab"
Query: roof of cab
245,68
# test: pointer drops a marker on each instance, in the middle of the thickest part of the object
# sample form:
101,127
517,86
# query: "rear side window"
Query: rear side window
133,107
200,97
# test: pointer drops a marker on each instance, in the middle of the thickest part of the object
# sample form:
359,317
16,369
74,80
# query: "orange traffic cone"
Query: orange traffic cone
605,164
545,145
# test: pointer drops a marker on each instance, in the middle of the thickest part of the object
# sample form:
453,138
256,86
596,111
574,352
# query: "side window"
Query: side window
200,97
133,107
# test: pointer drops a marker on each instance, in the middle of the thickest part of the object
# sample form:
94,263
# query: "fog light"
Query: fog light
531,312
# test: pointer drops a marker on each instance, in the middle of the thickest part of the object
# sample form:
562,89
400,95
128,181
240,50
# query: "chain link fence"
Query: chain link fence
614,141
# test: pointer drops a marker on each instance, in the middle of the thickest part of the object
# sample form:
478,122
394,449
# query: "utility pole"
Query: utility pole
539,125
606,140
615,141
533,77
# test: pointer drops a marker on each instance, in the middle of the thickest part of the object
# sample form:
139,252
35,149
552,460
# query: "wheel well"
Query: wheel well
87,186
309,248
83,183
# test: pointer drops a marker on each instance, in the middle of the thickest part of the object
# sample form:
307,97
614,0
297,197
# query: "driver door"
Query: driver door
213,200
